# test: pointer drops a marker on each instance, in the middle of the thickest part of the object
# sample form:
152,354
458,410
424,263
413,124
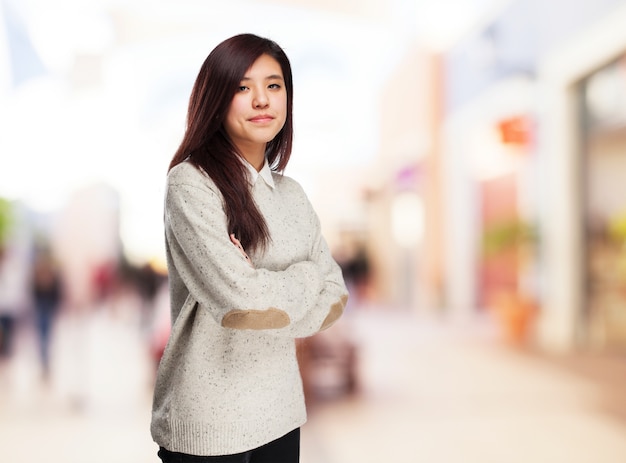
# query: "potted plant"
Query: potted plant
512,243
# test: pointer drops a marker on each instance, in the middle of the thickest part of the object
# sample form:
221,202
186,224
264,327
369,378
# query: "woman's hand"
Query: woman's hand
236,242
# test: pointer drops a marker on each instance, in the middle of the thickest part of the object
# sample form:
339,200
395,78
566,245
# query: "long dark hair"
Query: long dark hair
209,148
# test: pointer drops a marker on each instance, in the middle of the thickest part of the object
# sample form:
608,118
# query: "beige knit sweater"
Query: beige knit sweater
228,380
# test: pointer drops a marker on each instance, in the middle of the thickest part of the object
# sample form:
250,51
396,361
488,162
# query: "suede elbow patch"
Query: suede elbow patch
335,312
256,319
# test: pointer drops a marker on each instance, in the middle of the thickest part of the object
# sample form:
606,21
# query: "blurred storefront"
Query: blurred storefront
401,189
603,143
533,199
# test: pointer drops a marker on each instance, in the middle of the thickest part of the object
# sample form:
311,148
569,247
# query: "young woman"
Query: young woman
249,271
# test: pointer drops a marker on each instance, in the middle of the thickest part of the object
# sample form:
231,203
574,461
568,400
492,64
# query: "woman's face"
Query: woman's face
259,108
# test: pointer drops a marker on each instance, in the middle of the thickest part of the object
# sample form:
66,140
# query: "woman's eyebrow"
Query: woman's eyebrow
270,77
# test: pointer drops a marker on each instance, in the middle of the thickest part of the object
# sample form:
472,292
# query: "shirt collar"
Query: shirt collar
265,173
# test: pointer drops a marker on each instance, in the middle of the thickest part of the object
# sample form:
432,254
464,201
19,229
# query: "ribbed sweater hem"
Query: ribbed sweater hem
223,439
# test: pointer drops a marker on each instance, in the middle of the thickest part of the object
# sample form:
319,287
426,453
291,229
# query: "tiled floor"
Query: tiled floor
428,392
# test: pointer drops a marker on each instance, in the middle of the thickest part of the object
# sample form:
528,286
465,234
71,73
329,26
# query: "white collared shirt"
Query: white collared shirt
265,173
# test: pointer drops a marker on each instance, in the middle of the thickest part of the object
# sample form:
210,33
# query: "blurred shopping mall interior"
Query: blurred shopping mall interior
467,160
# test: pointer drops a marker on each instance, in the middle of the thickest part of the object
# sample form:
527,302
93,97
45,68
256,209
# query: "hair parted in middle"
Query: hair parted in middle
207,145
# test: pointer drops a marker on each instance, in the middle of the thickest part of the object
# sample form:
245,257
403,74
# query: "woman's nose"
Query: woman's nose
260,100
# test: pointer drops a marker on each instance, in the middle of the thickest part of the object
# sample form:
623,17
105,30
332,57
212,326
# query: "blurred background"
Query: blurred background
467,159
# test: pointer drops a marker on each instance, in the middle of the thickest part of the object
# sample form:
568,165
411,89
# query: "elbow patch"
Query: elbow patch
335,312
256,319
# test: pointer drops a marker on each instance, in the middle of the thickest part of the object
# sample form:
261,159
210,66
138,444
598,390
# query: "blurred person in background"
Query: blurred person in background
47,297
10,299
249,270
356,273
14,269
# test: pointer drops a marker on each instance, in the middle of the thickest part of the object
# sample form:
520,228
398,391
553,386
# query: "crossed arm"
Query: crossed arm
306,297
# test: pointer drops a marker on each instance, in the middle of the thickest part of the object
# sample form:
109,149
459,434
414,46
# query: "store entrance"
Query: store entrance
603,97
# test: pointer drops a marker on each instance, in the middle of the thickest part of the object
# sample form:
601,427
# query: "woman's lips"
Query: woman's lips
261,118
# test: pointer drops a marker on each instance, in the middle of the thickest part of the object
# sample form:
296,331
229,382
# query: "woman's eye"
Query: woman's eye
274,86
242,88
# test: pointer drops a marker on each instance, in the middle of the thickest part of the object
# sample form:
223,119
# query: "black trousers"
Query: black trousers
283,450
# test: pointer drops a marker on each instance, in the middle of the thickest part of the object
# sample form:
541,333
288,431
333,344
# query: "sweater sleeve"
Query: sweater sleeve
329,304
218,277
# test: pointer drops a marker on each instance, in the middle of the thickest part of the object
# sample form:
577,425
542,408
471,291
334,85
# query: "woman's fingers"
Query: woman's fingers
237,243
